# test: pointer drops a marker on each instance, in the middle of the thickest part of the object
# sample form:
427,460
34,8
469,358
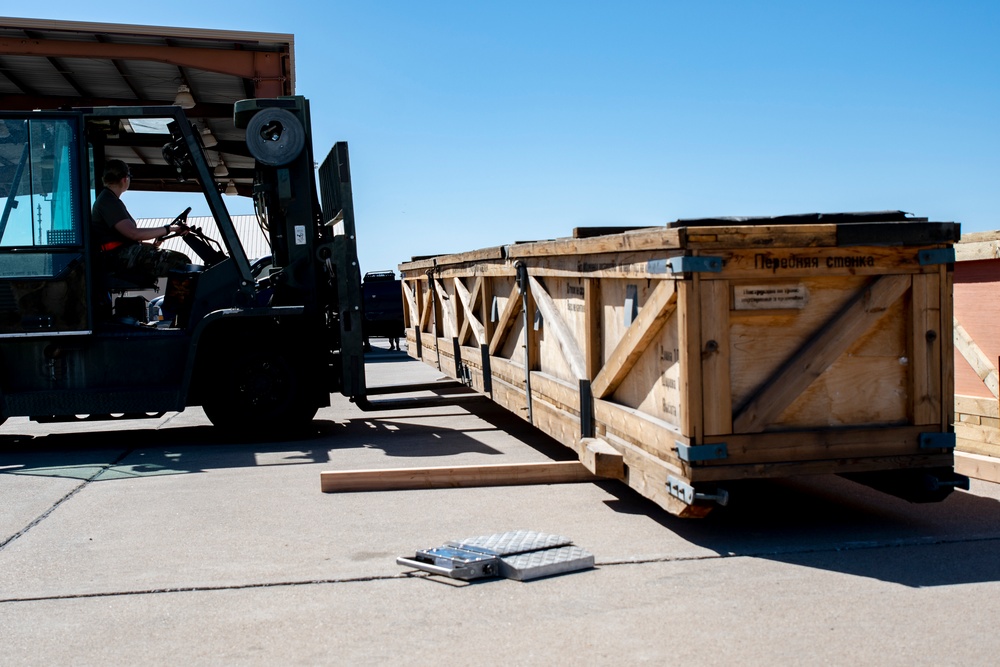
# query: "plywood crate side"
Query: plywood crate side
819,358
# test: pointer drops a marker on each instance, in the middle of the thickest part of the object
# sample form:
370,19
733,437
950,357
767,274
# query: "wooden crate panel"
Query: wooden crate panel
802,348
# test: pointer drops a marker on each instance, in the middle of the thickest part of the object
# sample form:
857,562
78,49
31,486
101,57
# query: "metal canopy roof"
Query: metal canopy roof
57,64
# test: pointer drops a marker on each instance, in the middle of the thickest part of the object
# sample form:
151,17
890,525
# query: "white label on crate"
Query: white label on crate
300,234
767,297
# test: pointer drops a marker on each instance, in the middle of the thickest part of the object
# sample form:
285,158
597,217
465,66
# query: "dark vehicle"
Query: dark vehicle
383,307
249,361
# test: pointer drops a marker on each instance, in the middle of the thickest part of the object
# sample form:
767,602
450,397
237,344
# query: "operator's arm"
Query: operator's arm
127,228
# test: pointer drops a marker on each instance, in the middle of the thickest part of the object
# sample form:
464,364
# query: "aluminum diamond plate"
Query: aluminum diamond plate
546,562
514,542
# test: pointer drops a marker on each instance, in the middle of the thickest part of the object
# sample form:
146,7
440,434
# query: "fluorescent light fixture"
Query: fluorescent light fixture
208,139
184,99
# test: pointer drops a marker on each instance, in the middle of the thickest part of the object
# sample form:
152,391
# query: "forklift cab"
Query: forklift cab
45,270
50,166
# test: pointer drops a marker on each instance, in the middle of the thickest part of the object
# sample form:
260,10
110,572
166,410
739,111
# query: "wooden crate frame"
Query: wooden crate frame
557,304
977,347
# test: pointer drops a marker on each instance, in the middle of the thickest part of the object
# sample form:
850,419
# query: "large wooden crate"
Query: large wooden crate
682,357
977,351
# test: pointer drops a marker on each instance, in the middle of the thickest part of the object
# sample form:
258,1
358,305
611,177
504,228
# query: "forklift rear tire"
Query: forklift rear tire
263,394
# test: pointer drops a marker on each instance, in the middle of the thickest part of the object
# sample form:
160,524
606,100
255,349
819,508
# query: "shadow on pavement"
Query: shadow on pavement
142,451
828,523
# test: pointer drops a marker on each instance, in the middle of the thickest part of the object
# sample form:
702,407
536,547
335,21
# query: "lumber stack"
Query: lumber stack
677,358
977,350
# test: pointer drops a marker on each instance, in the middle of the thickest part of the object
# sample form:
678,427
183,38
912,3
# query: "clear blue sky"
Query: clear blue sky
474,124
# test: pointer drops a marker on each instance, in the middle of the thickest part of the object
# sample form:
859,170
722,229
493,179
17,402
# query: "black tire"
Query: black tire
260,394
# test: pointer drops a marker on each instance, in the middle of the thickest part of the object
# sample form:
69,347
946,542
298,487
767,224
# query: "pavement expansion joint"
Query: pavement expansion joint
44,515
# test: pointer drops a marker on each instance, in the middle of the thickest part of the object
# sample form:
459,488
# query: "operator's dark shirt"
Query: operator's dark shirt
108,210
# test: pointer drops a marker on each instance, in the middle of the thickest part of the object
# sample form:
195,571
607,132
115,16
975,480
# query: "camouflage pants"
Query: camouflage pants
148,259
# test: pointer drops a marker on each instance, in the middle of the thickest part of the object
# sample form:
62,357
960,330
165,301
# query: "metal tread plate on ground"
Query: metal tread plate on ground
521,555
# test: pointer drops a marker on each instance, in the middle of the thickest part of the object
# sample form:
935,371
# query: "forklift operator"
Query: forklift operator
114,231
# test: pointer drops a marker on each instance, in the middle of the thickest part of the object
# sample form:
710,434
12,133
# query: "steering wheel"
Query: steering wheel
182,218
179,220
208,249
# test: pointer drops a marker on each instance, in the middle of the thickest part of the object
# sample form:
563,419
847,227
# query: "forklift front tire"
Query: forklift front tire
263,394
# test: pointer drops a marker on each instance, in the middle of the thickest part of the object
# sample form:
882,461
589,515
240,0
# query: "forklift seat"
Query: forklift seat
121,282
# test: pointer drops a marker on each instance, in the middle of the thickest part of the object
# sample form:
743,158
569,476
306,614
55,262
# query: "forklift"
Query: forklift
258,353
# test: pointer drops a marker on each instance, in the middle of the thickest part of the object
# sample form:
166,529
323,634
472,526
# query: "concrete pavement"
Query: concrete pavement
158,542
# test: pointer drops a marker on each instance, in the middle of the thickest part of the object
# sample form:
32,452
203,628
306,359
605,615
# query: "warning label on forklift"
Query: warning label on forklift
766,297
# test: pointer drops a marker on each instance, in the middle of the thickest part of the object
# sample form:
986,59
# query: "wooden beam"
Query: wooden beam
474,298
602,459
978,405
716,361
946,342
268,67
426,307
449,311
468,304
444,477
485,285
977,465
510,312
411,303
981,364
690,412
924,353
637,338
557,325
818,353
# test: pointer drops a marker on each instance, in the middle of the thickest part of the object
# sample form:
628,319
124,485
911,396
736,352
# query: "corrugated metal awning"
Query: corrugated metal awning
52,64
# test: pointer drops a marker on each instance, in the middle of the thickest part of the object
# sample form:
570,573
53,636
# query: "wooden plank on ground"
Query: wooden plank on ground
443,477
